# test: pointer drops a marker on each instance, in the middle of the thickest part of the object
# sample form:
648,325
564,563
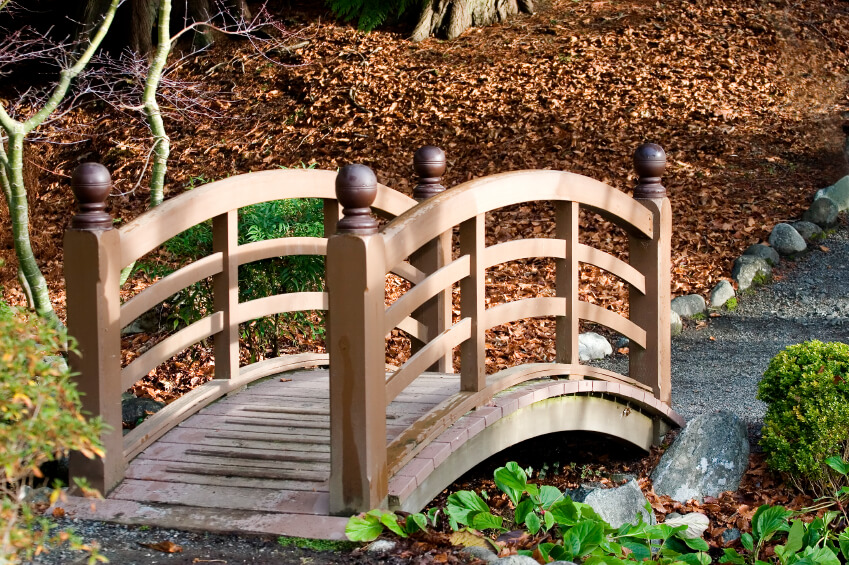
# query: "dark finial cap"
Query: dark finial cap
429,164
91,183
649,162
356,189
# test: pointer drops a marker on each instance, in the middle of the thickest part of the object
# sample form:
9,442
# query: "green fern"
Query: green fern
369,13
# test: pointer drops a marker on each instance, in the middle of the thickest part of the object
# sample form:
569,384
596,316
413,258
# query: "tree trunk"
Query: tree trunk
450,18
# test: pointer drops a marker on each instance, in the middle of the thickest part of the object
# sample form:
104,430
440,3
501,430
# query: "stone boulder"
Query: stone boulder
764,252
746,268
134,409
837,193
689,305
823,212
620,505
593,346
708,458
721,293
677,326
786,240
809,231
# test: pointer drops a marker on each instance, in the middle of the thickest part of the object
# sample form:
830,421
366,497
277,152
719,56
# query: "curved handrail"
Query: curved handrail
176,215
443,211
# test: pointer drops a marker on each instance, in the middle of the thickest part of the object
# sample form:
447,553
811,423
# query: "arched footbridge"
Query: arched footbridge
295,444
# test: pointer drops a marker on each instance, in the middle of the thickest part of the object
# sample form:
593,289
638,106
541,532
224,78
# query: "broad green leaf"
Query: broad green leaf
548,520
526,552
640,551
486,521
463,504
431,515
768,520
583,538
548,495
695,522
545,549
511,479
838,464
522,510
532,523
747,541
843,540
415,522
565,512
390,520
821,556
695,558
795,537
363,528
603,560
731,556
696,544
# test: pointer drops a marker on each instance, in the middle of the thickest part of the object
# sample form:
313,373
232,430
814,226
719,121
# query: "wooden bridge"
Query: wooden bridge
296,454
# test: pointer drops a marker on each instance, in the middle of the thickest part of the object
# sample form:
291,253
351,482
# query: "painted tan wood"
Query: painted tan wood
651,362
411,327
579,413
435,313
91,281
170,346
243,454
518,374
284,246
525,308
225,295
472,304
599,315
408,272
246,439
420,293
554,248
176,453
219,476
425,357
566,273
281,364
279,303
170,285
356,277
440,213
176,215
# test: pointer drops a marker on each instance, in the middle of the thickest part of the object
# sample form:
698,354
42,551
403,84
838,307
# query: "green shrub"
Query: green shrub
369,13
40,421
806,387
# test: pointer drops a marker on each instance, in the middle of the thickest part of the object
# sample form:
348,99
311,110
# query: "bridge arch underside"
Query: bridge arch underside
440,464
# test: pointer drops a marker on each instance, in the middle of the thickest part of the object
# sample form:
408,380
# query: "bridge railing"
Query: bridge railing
95,254
360,256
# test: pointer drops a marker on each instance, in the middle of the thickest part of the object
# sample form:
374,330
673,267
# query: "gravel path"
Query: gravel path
715,365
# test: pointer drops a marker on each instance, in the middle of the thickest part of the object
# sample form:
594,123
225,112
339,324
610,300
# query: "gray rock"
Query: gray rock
809,231
593,346
517,560
676,323
622,342
729,535
581,493
482,553
786,240
708,458
134,409
721,293
689,305
764,252
746,268
144,324
381,546
620,505
837,193
823,212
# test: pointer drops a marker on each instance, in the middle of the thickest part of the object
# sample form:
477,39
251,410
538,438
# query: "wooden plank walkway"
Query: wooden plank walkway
264,449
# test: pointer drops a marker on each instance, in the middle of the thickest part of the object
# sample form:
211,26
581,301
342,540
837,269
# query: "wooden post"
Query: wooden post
435,314
651,311
356,282
566,281
225,292
92,270
472,306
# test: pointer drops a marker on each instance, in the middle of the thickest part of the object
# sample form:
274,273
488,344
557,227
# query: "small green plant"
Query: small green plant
760,279
806,388
40,421
315,544
698,316
731,304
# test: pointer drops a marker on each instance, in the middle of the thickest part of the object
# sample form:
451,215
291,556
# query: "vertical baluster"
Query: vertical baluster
651,311
225,288
92,269
356,280
472,291
567,270
435,314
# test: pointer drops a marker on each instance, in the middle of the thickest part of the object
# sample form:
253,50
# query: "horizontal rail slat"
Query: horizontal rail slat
408,272
613,265
422,292
413,328
176,215
525,308
424,358
624,326
175,282
170,346
279,303
259,250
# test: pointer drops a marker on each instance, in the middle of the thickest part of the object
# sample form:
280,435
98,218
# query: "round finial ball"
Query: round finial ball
650,160
429,162
356,186
91,183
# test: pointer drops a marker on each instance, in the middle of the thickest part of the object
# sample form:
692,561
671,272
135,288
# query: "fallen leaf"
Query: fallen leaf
58,512
282,380
163,546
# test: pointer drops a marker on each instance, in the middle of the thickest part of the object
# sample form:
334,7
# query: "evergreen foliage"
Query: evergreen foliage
369,13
